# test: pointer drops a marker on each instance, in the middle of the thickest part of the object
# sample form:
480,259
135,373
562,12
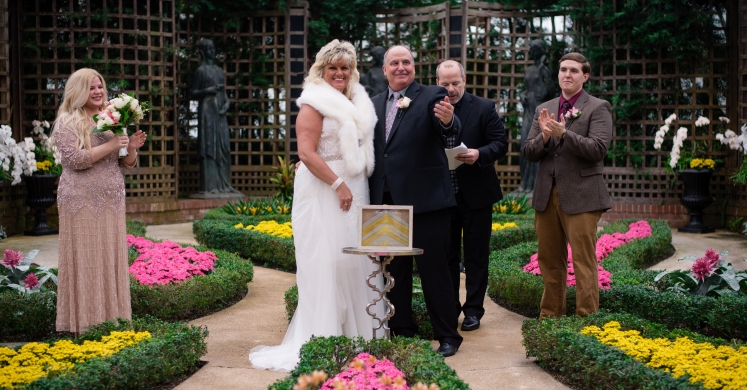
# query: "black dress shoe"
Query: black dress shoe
470,323
447,349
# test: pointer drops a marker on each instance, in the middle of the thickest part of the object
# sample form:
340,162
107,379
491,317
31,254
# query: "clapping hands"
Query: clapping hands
549,126
136,141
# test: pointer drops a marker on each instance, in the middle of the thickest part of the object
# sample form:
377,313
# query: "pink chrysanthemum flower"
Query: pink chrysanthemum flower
31,281
12,258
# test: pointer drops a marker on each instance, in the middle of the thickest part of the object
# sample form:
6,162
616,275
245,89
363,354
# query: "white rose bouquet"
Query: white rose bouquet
118,114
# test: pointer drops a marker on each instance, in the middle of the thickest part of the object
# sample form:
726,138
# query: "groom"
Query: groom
411,169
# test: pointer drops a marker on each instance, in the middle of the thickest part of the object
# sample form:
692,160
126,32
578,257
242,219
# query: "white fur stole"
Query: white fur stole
357,119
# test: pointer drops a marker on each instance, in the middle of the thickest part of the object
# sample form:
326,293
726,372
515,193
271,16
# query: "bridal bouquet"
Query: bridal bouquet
118,114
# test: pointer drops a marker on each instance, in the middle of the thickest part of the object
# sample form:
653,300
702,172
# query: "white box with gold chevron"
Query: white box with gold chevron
385,227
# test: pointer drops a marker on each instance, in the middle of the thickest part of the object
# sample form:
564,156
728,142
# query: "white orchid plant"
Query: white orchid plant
47,155
738,143
16,159
687,158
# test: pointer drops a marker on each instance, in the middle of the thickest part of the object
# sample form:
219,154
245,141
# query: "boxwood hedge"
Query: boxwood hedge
588,364
419,312
415,358
173,351
263,249
632,291
221,215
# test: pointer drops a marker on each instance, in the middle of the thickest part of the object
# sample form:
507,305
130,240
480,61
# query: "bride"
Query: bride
335,143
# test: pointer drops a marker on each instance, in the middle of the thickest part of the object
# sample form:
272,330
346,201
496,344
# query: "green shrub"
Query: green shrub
262,248
723,317
196,297
27,316
589,364
415,358
500,217
419,312
135,227
173,350
221,215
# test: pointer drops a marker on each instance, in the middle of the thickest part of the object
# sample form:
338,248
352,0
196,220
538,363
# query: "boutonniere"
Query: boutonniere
573,113
403,103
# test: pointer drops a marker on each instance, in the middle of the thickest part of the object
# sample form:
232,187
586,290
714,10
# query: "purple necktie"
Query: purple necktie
391,114
565,107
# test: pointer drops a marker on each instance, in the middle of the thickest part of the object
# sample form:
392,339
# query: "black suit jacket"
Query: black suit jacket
482,129
413,162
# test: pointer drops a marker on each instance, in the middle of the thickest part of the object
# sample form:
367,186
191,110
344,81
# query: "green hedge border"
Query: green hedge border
584,362
419,312
632,291
32,316
173,351
218,214
415,358
263,249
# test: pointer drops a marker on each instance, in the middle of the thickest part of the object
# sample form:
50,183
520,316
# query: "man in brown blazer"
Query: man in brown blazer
570,193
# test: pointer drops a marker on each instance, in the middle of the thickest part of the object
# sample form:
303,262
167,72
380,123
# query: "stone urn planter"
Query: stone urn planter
696,196
40,196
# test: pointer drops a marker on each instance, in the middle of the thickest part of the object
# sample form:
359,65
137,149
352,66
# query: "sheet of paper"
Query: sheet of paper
452,153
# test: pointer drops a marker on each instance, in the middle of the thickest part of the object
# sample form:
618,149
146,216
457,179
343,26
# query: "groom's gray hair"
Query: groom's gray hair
386,55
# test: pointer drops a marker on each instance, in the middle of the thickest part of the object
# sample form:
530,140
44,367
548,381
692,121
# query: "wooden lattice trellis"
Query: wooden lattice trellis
130,42
264,60
644,90
496,52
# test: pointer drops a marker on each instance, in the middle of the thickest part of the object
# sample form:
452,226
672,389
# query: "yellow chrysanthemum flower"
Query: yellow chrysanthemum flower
507,225
38,360
714,367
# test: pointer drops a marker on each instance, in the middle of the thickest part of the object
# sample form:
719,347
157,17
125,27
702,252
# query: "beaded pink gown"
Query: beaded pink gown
94,282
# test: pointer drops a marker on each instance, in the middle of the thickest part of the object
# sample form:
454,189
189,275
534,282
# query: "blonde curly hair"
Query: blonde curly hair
72,111
332,53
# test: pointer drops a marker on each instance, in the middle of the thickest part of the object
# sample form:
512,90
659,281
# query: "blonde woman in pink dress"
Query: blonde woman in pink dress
94,283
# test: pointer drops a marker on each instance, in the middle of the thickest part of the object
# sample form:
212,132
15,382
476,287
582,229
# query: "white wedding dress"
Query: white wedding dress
332,289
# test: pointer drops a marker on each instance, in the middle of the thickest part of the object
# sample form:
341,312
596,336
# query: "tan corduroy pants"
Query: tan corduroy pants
554,229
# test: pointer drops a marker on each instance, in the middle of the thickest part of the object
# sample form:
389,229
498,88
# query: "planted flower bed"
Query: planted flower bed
176,283
124,355
264,249
630,352
167,281
414,358
633,289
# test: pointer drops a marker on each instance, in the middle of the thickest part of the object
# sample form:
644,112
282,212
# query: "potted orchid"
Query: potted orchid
694,170
41,185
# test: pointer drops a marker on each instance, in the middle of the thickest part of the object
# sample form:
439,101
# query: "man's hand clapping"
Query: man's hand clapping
444,111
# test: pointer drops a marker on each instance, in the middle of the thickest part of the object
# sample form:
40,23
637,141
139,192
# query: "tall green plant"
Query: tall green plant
284,177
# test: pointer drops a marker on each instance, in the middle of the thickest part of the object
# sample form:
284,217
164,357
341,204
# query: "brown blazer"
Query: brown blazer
577,162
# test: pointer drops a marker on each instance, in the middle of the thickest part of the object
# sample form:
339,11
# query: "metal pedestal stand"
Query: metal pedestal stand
387,257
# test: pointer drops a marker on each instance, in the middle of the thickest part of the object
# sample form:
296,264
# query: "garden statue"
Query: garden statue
540,87
213,150
375,81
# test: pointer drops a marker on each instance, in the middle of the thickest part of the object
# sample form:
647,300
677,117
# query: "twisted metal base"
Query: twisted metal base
388,284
